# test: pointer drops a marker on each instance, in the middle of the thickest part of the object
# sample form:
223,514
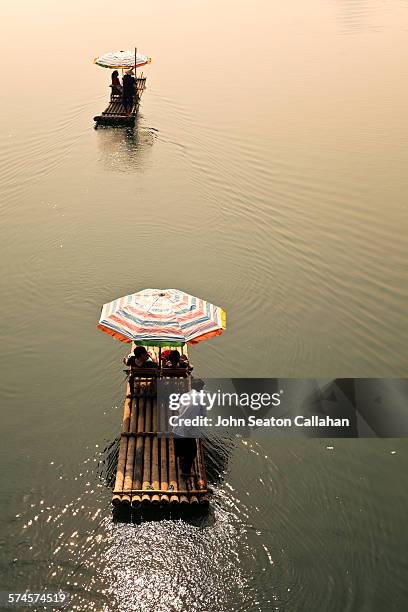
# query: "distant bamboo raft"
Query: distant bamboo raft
149,473
115,114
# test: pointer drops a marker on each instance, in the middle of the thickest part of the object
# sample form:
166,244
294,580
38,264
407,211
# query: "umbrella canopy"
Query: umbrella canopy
160,317
121,59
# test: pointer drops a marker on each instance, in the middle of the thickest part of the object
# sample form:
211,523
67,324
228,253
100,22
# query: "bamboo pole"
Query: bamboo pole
192,481
138,466
146,452
155,454
182,484
130,457
172,470
196,475
164,476
202,480
204,501
194,500
120,473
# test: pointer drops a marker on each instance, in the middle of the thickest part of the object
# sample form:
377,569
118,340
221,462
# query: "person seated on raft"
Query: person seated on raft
184,359
174,360
140,358
116,84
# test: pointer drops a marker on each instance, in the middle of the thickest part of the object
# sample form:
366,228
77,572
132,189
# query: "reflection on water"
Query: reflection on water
125,149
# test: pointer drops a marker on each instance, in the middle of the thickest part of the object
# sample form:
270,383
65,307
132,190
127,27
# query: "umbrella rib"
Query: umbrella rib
152,305
175,304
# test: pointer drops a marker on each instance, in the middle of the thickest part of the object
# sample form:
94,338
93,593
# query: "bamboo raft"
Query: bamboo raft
114,113
149,474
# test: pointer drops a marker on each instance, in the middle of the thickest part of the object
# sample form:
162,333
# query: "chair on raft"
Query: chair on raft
116,94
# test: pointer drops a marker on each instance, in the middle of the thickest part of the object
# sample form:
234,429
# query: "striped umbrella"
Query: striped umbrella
121,59
162,317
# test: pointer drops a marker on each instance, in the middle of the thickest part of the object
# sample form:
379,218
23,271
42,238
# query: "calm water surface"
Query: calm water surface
267,173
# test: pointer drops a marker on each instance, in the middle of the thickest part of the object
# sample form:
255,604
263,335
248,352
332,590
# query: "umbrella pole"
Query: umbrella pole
136,91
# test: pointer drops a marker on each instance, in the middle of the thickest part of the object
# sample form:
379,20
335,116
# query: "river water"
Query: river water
267,173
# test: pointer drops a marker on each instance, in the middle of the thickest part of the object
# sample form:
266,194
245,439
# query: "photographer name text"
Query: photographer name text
253,421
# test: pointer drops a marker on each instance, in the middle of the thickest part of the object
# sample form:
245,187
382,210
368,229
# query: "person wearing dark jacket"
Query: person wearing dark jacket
128,90
140,359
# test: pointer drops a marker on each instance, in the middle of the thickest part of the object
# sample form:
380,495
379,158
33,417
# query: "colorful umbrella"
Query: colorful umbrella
162,317
121,59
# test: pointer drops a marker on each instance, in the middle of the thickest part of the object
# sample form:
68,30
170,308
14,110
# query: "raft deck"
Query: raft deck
149,474
115,114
